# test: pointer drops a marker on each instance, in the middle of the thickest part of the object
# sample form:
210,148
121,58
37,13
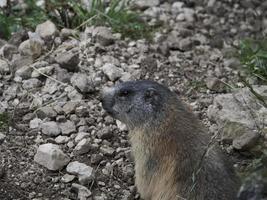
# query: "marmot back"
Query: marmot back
168,145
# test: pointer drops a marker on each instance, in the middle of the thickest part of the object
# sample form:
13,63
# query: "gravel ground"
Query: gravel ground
192,54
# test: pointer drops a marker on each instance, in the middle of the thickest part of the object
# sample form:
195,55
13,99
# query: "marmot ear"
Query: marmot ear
151,95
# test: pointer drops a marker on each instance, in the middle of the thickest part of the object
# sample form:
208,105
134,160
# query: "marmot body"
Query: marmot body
168,143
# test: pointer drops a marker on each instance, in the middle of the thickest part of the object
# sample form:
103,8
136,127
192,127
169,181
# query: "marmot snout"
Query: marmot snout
168,144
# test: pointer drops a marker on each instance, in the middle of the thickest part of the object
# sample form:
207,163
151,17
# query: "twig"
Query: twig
85,22
64,84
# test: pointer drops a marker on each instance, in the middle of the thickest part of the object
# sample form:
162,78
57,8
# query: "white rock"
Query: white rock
3,3
101,34
68,60
246,141
24,72
2,138
61,139
51,156
238,111
126,77
112,72
74,95
82,147
141,4
121,126
31,47
50,128
83,192
84,172
35,123
67,178
46,30
82,82
43,70
81,135
189,14
31,83
46,112
4,68
106,150
67,127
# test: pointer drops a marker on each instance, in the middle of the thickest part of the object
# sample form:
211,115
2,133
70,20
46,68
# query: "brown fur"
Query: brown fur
174,149
168,145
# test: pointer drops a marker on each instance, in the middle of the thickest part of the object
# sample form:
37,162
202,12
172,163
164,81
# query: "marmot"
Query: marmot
168,144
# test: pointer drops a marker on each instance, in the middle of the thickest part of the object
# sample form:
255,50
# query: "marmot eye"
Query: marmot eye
124,93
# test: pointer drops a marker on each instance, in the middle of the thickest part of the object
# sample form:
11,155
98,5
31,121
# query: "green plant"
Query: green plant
72,14
3,120
15,18
116,14
253,56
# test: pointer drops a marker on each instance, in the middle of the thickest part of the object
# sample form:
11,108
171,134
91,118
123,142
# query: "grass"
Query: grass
72,14
253,56
3,120
14,18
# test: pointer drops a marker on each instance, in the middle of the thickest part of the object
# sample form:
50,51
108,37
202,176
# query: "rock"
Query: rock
96,158
50,128
112,72
66,33
101,34
51,156
31,47
126,77
7,51
246,141
61,74
69,107
48,70
105,133
32,83
185,44
73,94
68,60
19,61
106,150
121,126
47,30
67,178
81,135
82,111
4,67
61,139
18,37
67,127
83,192
82,147
215,84
232,63
24,72
46,112
238,111
189,14
3,3
11,92
84,172
142,5
35,123
82,83
2,138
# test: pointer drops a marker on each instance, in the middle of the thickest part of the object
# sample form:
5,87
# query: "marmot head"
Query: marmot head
136,102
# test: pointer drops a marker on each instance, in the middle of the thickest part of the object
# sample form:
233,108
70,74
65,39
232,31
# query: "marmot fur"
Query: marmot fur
168,145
